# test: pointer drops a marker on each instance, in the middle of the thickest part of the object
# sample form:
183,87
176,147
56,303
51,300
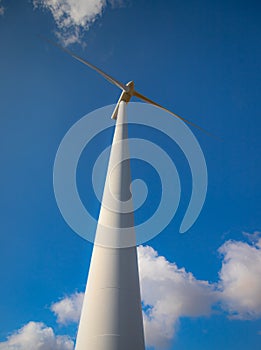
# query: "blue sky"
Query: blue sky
200,59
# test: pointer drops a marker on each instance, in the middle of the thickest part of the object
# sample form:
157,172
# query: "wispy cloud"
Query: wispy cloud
36,336
73,18
254,237
2,8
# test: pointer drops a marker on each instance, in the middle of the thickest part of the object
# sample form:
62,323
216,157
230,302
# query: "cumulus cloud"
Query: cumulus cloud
169,293
2,9
74,17
36,336
68,309
240,278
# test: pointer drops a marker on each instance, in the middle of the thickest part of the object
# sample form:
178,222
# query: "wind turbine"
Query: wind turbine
111,317
128,90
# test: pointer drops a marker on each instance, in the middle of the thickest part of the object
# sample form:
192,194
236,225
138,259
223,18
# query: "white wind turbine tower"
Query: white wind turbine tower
111,317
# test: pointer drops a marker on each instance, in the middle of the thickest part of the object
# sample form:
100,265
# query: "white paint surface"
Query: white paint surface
111,317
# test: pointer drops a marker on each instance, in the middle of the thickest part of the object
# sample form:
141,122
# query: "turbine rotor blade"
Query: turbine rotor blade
146,99
92,66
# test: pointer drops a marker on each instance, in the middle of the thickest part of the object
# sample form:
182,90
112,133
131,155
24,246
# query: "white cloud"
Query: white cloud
169,293
36,336
2,9
74,17
68,309
240,279
254,237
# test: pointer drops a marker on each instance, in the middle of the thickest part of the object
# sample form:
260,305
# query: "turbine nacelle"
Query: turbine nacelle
125,96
